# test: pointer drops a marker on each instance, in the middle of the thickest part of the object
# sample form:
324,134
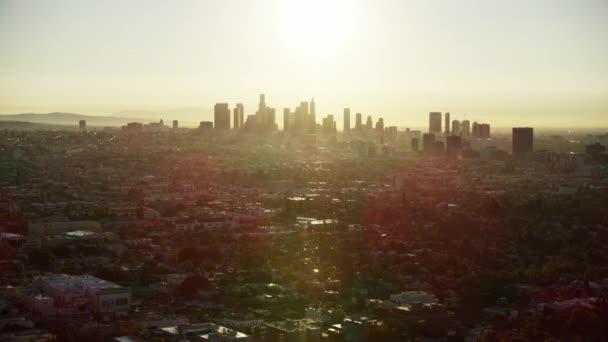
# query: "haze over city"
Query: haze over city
503,61
303,171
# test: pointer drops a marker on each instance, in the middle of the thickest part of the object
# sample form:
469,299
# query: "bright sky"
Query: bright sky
515,62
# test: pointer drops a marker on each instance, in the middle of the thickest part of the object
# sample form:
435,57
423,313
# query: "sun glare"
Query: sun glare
316,24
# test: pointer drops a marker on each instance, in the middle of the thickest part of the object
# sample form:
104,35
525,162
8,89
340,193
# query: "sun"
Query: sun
316,24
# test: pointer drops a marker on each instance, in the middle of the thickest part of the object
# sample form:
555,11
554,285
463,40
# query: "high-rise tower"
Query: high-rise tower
346,120
435,123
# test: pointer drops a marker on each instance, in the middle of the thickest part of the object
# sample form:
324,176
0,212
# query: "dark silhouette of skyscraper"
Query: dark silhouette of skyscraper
346,120
262,104
265,120
484,130
235,118
475,130
329,125
369,125
82,124
456,127
221,116
380,126
522,142
286,120
175,124
465,128
241,111
312,117
435,123
447,124
358,122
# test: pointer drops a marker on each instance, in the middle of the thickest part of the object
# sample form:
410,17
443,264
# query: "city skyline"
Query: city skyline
471,59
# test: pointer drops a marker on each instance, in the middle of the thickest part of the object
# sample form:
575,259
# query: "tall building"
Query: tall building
235,118
82,124
286,119
221,116
264,118
475,130
447,124
358,122
312,117
465,128
329,125
484,130
262,104
435,123
241,111
456,127
522,142
271,122
175,124
369,124
380,126
346,120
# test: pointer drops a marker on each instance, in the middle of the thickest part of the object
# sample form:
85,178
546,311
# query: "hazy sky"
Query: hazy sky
508,62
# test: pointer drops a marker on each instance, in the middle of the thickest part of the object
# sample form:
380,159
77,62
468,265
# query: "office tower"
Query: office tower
456,127
522,142
82,124
286,119
312,117
305,108
271,122
453,146
358,122
241,111
447,124
221,116
380,126
262,104
368,123
300,120
346,120
175,124
475,130
392,132
435,123
329,124
428,139
465,128
265,119
260,115
235,118
484,130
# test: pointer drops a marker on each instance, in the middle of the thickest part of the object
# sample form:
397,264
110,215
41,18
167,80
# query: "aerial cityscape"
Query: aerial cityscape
318,213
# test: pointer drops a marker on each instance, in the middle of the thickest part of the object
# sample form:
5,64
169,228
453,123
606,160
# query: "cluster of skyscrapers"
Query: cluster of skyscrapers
444,134
459,128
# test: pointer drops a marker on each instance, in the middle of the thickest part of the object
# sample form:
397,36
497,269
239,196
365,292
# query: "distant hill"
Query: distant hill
70,119
186,115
